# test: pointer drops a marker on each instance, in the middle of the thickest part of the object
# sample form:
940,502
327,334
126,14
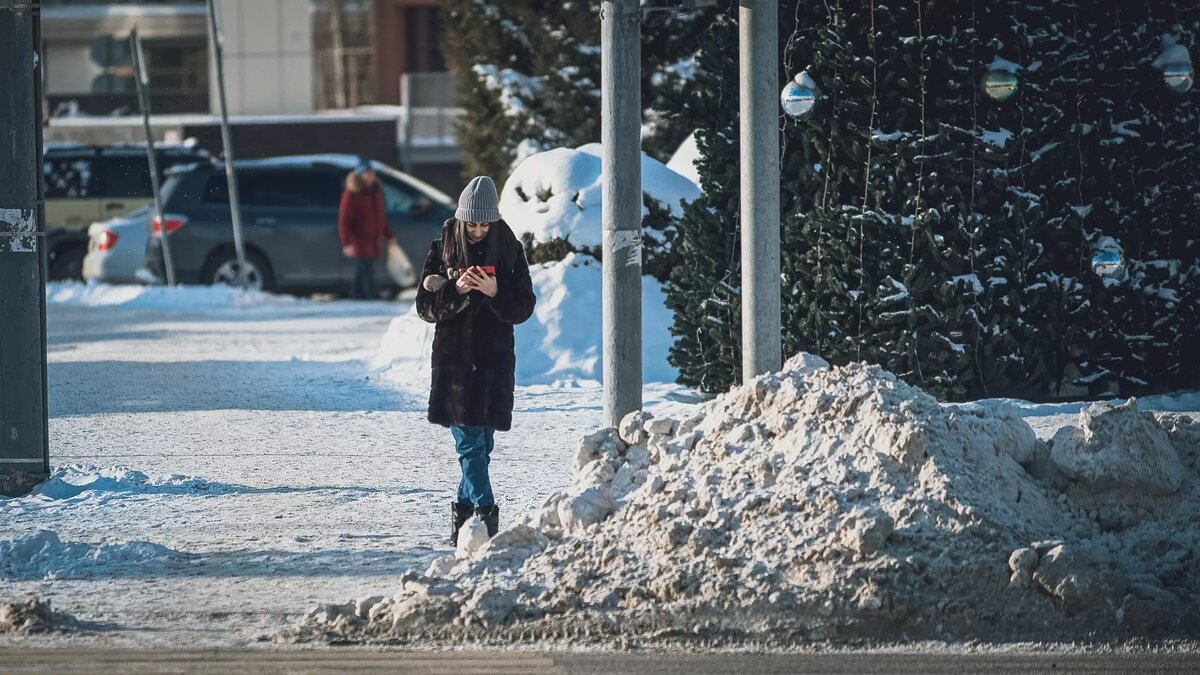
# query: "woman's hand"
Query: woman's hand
434,283
485,283
465,284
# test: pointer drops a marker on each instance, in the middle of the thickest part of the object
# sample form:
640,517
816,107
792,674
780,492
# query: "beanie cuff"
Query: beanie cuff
478,215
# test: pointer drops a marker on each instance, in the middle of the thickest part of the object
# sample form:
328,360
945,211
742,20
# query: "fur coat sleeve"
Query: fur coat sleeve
515,300
444,304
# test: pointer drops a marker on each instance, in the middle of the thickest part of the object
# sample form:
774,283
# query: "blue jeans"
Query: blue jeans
364,280
474,446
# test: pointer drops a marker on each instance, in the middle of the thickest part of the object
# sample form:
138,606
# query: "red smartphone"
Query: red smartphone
489,270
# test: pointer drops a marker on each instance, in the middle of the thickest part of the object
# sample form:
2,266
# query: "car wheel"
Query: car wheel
223,269
66,263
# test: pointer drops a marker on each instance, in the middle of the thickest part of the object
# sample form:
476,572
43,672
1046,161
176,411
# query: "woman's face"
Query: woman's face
477,231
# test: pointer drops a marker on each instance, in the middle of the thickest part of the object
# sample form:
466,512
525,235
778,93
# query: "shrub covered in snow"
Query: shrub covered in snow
552,200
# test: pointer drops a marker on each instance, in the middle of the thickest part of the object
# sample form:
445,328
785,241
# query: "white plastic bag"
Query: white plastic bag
399,266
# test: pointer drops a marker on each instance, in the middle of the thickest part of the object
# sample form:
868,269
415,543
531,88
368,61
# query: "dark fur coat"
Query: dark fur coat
474,359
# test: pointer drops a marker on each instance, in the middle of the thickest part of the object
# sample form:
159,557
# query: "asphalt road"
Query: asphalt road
66,661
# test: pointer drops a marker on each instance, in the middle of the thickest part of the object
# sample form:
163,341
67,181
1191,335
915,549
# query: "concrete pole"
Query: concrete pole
24,437
216,40
758,96
621,214
142,80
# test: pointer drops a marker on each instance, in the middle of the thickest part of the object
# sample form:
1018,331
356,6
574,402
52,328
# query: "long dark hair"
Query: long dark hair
502,252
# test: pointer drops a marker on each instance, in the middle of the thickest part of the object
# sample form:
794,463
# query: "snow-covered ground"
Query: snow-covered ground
225,461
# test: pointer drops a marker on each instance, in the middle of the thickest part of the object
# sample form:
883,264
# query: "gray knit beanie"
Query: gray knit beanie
478,202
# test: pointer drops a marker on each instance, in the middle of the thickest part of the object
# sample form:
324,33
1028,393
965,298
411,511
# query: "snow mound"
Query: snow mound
177,298
557,194
43,555
67,482
683,162
1116,447
818,503
33,616
560,343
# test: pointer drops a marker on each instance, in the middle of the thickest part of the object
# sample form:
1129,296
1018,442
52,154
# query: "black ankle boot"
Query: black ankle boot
490,516
460,512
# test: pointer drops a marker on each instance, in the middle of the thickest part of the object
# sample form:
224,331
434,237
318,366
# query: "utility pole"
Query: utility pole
217,40
143,88
758,101
24,434
621,166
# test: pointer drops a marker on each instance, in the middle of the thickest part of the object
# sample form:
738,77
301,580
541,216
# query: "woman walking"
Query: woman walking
362,225
475,287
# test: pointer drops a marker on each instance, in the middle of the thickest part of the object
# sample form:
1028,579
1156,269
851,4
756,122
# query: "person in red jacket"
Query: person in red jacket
362,227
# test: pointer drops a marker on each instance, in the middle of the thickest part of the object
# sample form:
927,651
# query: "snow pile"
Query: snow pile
683,162
177,298
67,482
557,194
34,616
831,504
561,342
44,556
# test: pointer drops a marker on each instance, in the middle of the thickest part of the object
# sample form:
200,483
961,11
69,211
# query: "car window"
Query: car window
294,188
303,189
69,177
216,189
124,177
400,198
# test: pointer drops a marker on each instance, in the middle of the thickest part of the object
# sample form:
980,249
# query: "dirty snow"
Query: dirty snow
31,617
821,503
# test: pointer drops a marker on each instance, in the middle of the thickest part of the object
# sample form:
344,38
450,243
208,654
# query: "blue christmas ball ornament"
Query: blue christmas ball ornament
1107,263
1179,76
799,96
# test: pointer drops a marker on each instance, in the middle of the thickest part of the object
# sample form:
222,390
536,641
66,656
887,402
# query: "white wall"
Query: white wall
268,57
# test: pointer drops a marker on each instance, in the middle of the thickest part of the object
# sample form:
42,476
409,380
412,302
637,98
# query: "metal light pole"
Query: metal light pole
217,39
143,88
24,436
758,42
621,166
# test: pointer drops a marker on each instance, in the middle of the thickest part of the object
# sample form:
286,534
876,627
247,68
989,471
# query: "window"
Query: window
69,177
125,176
301,189
284,188
402,199
216,189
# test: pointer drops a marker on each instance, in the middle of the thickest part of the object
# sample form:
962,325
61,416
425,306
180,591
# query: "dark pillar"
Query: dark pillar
24,443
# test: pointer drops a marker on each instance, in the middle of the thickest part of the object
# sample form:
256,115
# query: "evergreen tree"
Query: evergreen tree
529,77
948,236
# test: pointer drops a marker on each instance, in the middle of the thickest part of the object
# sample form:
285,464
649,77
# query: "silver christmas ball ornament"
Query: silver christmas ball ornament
799,96
1179,76
1000,85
